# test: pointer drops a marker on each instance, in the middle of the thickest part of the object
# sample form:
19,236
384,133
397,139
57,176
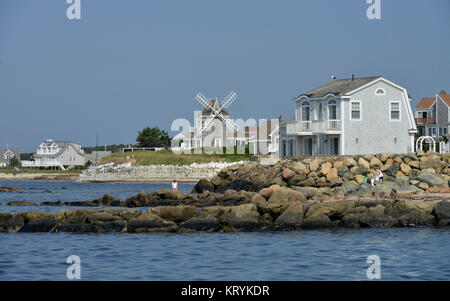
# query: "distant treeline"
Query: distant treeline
113,148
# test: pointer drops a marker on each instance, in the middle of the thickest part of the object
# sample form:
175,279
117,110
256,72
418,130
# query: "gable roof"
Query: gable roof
3,151
338,87
213,103
445,97
62,145
425,103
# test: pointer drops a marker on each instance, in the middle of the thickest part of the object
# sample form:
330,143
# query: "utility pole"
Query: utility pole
96,154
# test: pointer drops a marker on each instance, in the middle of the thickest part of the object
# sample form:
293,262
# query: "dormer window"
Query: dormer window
380,92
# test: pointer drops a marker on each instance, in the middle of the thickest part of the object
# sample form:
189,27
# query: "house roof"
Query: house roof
425,103
213,103
14,151
62,145
338,87
445,97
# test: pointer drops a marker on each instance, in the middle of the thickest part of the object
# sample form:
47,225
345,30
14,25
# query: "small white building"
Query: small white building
6,155
57,154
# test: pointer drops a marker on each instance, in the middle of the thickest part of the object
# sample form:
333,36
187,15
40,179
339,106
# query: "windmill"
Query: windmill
227,101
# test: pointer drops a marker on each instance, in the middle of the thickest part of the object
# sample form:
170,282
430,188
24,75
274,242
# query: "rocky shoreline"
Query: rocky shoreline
289,195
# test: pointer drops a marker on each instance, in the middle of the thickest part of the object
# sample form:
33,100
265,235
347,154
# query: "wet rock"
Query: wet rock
9,189
243,218
39,225
76,228
149,222
21,203
204,185
316,221
10,222
442,210
432,179
177,214
112,226
292,218
375,218
202,222
350,221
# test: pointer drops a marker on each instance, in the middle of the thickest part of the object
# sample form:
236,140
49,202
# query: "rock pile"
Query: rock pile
274,208
403,174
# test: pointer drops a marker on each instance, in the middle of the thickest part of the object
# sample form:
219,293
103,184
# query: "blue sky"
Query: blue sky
130,64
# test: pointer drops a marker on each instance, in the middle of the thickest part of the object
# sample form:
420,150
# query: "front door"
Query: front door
334,146
308,146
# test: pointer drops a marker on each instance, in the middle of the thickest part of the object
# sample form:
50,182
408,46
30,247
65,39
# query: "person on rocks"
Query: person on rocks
174,186
379,176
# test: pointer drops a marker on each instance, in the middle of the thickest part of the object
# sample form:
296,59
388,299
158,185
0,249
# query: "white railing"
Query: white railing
316,126
26,163
334,125
298,127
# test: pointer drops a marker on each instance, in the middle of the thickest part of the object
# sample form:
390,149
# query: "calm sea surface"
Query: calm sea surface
334,254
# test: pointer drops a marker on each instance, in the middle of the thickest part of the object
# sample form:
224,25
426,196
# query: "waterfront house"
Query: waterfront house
57,154
432,116
6,155
350,116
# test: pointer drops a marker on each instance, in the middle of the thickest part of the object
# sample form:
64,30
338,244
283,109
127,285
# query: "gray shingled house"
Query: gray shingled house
350,116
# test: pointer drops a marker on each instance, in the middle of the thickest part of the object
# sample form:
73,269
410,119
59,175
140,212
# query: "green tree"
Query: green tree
152,137
14,162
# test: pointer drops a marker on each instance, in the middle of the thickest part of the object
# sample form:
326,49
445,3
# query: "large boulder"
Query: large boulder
217,181
375,217
375,163
204,185
363,163
316,221
242,218
432,179
177,214
21,203
287,174
442,210
292,218
10,222
39,225
150,222
203,222
286,195
314,165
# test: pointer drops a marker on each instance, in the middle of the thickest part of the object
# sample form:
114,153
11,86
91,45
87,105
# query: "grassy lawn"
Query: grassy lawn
40,171
167,157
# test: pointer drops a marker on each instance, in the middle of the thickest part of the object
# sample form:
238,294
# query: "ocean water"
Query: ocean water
332,254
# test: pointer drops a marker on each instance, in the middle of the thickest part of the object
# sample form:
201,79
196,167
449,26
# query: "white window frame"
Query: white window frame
434,132
399,111
360,110
382,94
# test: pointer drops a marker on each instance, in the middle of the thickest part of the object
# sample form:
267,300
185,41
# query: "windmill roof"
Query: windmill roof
214,104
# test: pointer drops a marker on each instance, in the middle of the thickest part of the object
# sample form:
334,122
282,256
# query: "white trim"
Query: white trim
360,110
382,94
399,110
437,95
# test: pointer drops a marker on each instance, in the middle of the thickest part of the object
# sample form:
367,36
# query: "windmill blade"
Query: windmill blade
231,125
203,100
228,100
207,124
